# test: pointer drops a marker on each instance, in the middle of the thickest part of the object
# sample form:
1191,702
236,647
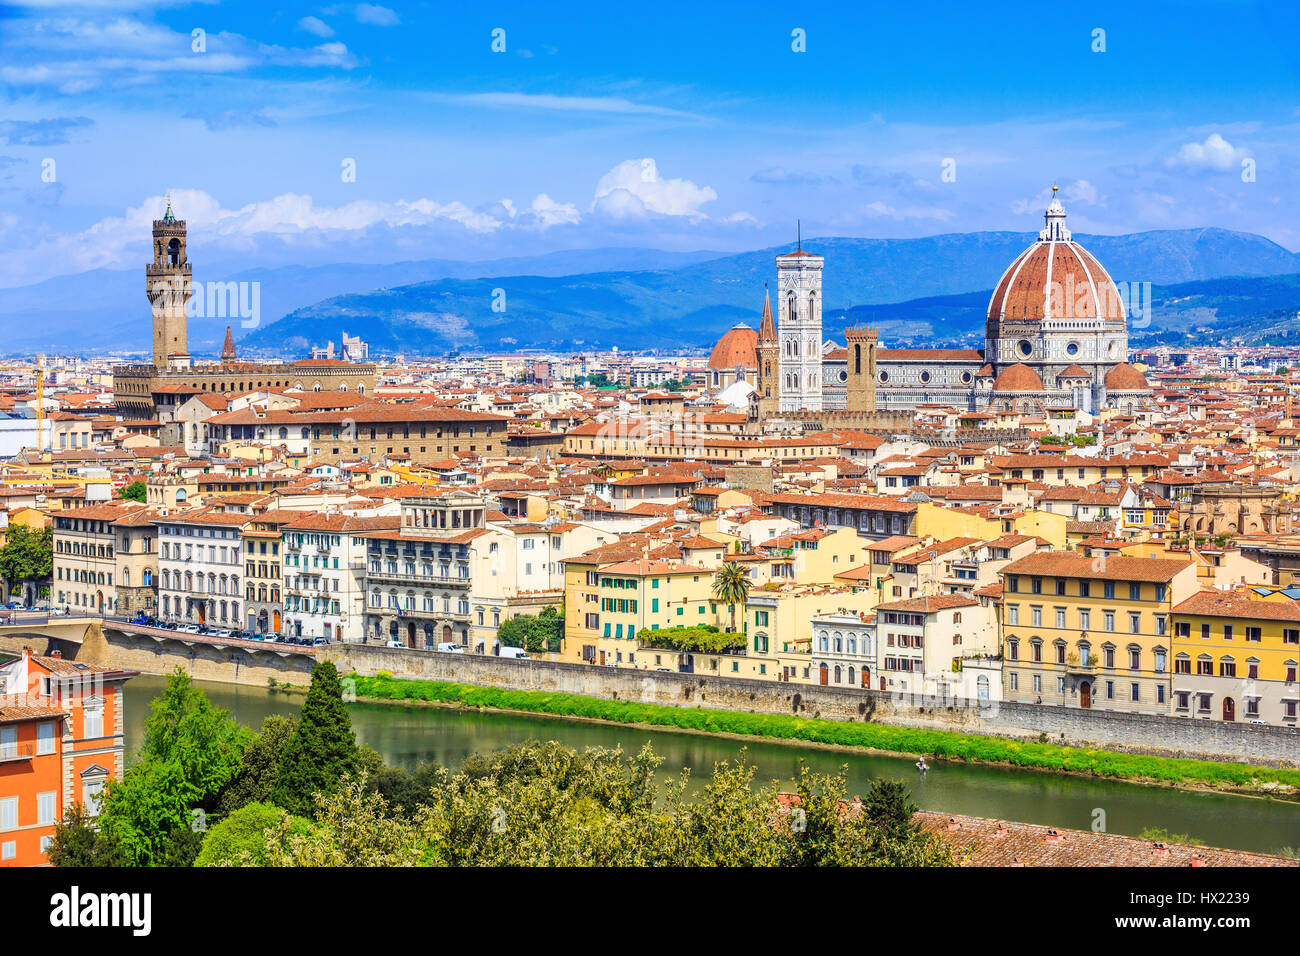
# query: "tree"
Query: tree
323,747
241,838
540,633
191,751
260,769
731,586
28,554
78,842
135,491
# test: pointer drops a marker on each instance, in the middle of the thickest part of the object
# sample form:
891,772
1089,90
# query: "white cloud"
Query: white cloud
1215,153
634,188
376,15
549,101
121,240
316,25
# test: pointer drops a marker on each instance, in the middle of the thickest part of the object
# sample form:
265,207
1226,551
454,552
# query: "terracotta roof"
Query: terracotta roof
1224,604
1112,568
1074,371
978,841
735,348
1055,280
1124,377
1018,378
929,603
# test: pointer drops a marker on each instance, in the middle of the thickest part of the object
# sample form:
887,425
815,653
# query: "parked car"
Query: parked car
451,648
515,652
189,629
318,641
394,643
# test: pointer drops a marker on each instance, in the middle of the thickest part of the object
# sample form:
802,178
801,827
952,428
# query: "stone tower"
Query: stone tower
768,381
228,355
169,283
861,390
799,329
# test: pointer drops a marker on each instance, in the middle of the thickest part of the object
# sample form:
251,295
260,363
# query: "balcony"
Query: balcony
12,752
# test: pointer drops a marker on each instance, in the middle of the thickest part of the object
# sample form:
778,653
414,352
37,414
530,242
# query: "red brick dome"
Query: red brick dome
1125,378
737,348
1055,278
1074,371
1018,378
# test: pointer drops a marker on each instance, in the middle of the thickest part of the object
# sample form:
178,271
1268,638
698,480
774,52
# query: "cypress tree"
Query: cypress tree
322,748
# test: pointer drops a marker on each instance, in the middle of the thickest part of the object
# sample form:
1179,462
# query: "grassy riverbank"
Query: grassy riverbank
945,745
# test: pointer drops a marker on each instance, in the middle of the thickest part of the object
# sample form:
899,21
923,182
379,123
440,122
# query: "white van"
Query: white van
515,652
451,648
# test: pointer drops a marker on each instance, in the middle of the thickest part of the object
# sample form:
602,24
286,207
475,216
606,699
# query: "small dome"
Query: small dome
985,372
1125,378
1074,371
1018,378
736,348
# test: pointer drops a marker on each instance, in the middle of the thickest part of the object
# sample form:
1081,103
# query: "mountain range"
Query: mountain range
928,290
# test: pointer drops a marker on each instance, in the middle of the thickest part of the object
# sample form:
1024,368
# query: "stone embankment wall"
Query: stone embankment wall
1136,733
107,647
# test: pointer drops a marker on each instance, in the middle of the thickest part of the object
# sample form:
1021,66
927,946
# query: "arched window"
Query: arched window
851,680
838,673
857,359
823,641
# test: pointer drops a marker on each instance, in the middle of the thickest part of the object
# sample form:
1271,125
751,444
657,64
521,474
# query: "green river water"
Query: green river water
410,736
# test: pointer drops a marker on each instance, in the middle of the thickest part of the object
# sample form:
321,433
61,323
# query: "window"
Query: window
45,737
1253,634
45,812
1134,691
9,813
1110,620
8,850
93,718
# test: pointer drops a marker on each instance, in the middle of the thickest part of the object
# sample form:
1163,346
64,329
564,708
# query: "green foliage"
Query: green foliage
1162,835
323,747
260,769
543,804
79,843
135,491
191,751
697,639
938,743
28,555
533,634
241,838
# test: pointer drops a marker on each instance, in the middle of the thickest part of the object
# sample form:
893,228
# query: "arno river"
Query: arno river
408,737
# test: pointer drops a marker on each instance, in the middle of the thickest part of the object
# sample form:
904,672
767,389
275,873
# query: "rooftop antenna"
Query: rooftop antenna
799,240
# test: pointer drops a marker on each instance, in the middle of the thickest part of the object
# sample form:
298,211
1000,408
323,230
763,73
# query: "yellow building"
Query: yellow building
1236,659
1091,632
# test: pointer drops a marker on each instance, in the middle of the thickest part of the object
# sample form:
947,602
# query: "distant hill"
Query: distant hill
692,305
637,298
106,309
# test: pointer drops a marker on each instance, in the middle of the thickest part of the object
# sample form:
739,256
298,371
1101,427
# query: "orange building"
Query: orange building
62,737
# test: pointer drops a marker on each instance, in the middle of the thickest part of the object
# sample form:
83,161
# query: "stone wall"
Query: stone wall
1136,733
107,647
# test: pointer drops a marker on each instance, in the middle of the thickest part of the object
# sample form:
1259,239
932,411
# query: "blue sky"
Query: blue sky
677,126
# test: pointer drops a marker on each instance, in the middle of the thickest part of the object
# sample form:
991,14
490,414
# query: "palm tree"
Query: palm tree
731,584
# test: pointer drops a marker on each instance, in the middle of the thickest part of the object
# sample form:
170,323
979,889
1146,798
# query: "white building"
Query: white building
324,566
843,650
198,567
